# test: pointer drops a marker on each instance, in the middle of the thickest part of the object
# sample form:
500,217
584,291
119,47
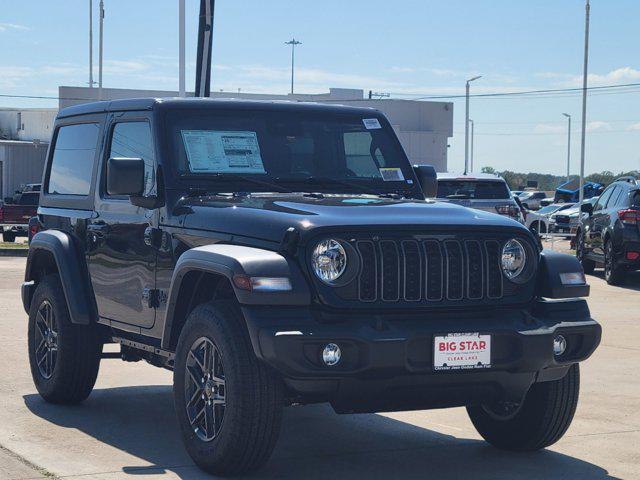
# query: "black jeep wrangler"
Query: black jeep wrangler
273,254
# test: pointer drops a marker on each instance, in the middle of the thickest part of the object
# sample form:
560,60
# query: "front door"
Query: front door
598,221
120,257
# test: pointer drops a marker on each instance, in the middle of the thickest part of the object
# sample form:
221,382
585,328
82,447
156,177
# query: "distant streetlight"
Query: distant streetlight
100,51
466,127
568,144
293,42
472,136
90,43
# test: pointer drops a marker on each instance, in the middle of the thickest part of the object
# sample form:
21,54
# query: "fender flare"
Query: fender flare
75,284
231,260
552,265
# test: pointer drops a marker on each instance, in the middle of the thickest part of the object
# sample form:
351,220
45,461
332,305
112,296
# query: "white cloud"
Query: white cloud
549,128
634,128
4,27
598,125
617,76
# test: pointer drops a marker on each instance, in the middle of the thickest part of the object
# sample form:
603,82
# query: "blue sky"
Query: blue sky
402,47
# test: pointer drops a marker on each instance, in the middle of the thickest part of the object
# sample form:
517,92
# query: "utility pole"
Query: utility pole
100,51
181,49
90,43
293,42
466,126
205,45
568,145
584,107
471,159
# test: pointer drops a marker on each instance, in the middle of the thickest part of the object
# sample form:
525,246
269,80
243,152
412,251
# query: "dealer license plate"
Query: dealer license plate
461,351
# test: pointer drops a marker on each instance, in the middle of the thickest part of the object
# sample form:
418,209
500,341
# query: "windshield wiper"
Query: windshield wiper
255,181
315,180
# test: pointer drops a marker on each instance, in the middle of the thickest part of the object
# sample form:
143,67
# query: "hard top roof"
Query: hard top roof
133,104
469,176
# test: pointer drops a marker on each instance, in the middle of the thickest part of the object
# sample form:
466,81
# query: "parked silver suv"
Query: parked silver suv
482,191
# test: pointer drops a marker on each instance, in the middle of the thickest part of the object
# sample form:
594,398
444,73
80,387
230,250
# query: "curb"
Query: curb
14,252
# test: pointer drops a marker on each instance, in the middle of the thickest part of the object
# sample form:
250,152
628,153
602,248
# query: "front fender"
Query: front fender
231,260
550,278
68,261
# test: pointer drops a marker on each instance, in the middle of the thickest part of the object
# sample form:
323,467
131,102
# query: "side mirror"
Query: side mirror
428,179
587,208
125,176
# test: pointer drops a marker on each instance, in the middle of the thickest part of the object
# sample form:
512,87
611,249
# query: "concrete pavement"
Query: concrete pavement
126,429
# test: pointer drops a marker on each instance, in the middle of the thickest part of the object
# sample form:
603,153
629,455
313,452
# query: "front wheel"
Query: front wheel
228,404
539,421
9,237
588,265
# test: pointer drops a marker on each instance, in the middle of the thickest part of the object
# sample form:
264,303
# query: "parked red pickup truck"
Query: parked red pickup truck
14,217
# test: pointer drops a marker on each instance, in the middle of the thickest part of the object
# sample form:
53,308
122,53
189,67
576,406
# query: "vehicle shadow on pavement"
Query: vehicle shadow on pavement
314,443
631,281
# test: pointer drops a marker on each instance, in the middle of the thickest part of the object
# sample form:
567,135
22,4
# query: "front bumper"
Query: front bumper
387,363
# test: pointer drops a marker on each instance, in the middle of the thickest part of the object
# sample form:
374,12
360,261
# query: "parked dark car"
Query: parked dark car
274,254
610,235
14,217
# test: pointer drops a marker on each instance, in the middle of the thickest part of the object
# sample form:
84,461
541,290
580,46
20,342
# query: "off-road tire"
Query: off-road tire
79,349
588,265
9,237
541,420
253,394
614,274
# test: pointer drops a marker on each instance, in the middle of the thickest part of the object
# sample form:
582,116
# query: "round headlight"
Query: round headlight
514,259
329,260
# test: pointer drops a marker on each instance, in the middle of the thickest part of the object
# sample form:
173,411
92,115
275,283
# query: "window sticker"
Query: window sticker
371,123
391,174
212,151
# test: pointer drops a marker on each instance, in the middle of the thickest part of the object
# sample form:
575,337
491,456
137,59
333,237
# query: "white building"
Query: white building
424,128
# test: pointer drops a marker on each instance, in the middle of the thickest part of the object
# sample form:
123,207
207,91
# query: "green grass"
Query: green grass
14,245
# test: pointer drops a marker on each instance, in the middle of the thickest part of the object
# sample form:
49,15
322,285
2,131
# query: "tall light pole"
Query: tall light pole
471,158
584,105
568,145
100,51
90,43
466,127
293,42
181,49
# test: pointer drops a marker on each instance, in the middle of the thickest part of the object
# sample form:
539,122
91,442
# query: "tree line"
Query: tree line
550,182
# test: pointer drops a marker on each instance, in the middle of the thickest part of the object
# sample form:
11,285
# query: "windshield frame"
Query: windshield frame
214,182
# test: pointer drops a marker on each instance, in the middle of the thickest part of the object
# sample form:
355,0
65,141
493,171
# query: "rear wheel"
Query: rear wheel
64,357
228,404
613,272
588,265
9,237
539,421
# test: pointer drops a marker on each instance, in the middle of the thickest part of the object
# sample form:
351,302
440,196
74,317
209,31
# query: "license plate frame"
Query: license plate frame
461,351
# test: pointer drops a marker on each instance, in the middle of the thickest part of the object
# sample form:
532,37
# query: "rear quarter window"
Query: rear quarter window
73,157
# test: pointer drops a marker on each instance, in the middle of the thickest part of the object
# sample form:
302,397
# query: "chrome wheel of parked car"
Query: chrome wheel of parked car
46,340
205,389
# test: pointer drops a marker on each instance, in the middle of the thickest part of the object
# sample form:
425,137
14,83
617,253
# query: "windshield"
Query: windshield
252,150
455,189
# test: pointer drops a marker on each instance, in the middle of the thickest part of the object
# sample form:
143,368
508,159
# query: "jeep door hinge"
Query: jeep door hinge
154,297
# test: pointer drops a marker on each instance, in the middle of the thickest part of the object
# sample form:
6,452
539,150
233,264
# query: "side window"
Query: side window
73,157
357,152
635,198
134,140
614,196
602,201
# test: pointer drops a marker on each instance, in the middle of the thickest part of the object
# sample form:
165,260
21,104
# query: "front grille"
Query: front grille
562,219
429,270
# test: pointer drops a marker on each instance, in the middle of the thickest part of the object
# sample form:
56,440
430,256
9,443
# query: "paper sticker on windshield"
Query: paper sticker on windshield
391,174
213,151
371,123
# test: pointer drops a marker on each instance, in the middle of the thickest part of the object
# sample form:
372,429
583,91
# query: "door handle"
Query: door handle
96,233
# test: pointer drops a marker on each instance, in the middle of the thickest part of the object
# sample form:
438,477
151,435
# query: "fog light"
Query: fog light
559,345
331,354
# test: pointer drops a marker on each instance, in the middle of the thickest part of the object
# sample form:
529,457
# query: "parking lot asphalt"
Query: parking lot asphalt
126,429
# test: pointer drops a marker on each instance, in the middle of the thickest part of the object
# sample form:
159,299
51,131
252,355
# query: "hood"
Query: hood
267,216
